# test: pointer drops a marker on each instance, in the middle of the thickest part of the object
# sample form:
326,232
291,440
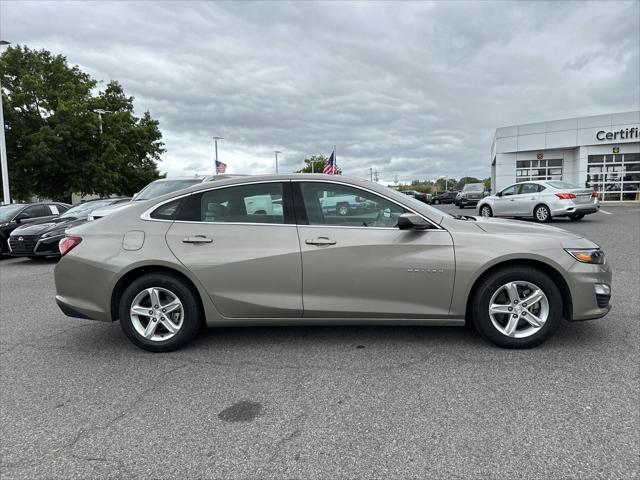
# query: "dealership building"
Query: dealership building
601,152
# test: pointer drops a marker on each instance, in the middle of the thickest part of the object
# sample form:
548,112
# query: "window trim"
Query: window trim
287,198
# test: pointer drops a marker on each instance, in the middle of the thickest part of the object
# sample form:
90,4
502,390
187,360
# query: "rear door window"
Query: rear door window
256,203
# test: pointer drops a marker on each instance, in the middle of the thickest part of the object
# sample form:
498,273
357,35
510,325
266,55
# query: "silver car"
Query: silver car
264,251
541,200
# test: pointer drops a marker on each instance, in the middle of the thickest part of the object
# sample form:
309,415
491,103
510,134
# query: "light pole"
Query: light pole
215,142
3,149
277,152
100,112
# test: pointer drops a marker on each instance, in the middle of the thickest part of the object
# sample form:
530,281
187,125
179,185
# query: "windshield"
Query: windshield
84,209
157,189
7,212
562,185
473,187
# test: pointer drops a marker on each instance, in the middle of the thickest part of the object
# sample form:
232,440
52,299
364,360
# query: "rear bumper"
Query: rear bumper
572,208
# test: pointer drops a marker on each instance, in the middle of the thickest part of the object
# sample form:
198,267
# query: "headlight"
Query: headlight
588,255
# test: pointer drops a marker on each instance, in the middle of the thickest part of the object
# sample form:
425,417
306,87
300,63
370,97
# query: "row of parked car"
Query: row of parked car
469,196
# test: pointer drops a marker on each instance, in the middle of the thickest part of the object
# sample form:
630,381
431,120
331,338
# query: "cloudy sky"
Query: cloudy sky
412,89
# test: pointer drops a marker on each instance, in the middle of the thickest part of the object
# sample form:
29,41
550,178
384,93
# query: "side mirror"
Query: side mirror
411,221
21,216
499,194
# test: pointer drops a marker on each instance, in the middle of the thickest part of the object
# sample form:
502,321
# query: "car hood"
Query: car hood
521,228
45,226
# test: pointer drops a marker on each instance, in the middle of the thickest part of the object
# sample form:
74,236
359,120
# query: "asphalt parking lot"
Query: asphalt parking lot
79,401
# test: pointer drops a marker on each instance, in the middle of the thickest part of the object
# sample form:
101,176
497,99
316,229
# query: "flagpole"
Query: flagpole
335,161
215,141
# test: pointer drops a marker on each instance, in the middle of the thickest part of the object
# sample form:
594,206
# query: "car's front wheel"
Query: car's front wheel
485,211
159,312
517,307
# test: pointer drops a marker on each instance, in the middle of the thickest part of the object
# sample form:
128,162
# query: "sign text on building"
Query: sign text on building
622,134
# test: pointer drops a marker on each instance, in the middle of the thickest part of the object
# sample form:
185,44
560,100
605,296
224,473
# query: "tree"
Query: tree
315,164
443,184
54,145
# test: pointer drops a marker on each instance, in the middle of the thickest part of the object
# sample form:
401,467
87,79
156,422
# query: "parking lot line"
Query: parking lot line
604,211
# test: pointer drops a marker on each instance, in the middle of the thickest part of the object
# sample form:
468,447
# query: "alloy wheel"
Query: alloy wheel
485,211
518,309
542,214
157,314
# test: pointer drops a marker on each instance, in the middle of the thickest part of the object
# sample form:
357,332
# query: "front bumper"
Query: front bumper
44,247
587,303
469,201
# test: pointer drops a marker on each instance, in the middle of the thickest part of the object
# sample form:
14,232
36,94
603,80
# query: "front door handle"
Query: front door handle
197,239
320,241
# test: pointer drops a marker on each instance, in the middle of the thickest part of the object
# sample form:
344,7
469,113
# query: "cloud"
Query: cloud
412,89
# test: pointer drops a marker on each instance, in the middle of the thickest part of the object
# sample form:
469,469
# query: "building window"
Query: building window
549,169
615,177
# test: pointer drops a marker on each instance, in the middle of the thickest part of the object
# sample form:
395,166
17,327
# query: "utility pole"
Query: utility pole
3,149
277,152
371,174
100,112
215,142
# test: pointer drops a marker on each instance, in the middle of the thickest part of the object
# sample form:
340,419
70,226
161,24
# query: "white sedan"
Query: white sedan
541,200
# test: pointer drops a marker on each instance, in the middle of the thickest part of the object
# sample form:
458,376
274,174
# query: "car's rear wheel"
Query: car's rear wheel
576,216
517,307
159,312
542,214
461,206
436,202
343,209
486,211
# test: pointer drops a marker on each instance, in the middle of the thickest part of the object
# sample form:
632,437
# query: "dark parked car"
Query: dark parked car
14,215
423,197
470,195
40,238
444,197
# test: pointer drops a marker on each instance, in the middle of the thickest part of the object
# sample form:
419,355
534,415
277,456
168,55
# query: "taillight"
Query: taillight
594,194
67,244
566,196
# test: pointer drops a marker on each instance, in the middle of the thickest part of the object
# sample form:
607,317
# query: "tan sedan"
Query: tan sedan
269,251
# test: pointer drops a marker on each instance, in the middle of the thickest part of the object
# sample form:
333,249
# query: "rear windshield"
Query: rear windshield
560,185
157,189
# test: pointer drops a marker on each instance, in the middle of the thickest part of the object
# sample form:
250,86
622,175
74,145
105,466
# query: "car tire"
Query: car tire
485,211
498,327
542,214
461,206
168,287
576,216
436,202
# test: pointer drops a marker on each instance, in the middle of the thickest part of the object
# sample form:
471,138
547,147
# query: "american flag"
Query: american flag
330,166
220,167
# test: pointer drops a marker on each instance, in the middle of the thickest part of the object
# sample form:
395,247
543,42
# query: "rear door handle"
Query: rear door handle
197,239
320,241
